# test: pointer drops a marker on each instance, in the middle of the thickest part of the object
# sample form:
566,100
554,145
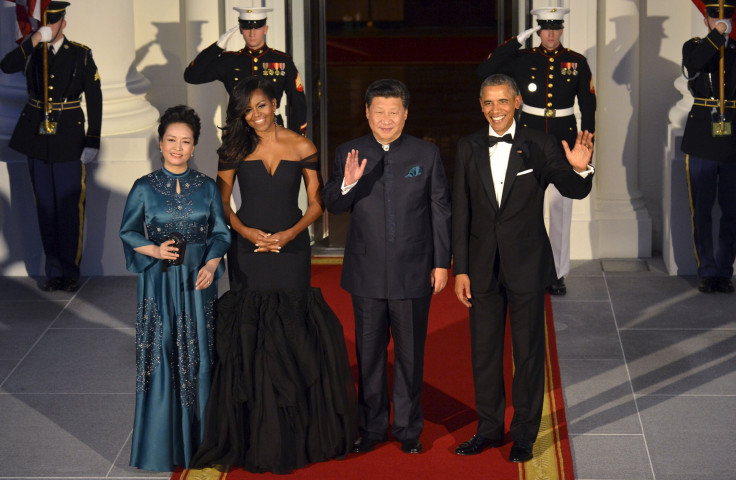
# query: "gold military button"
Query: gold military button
551,60
549,105
549,95
274,79
255,68
51,76
51,87
236,79
551,76
549,85
237,69
255,59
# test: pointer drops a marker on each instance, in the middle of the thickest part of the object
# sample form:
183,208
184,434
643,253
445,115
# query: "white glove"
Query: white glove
524,36
88,154
727,22
225,36
45,33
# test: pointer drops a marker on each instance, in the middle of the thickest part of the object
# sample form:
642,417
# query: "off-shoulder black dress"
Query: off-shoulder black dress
282,392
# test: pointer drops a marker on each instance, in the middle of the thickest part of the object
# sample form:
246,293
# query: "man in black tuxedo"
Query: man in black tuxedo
397,254
503,259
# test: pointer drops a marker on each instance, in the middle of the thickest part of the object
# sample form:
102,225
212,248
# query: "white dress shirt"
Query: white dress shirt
499,157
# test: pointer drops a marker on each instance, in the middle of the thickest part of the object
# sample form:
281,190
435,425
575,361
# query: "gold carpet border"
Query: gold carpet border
547,461
326,260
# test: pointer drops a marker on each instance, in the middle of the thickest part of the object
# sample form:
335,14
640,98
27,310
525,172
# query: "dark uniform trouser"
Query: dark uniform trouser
709,180
487,326
376,321
59,189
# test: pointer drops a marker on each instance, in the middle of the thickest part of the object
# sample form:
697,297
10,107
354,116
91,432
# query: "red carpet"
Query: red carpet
447,400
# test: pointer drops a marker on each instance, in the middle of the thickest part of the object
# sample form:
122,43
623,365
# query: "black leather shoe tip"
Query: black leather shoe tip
69,285
51,285
411,446
724,285
476,445
364,445
521,451
707,284
558,288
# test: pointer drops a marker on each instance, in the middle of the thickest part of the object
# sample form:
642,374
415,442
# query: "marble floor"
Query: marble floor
648,369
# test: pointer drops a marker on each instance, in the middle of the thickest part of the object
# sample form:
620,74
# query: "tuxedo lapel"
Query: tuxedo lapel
513,167
483,163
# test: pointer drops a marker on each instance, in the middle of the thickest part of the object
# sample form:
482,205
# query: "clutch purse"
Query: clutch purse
180,242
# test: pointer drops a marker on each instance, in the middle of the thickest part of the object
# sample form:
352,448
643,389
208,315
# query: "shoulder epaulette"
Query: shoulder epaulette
697,39
281,53
572,52
79,45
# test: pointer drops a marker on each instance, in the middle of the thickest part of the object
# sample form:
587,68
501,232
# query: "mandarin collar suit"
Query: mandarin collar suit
400,217
515,227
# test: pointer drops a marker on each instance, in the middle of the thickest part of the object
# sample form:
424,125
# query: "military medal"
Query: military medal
532,87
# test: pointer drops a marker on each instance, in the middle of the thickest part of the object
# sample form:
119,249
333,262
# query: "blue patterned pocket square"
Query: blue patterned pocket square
414,172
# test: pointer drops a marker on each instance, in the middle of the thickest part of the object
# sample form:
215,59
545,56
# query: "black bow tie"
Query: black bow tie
492,139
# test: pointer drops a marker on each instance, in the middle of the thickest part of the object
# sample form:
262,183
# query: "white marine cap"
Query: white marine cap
550,18
252,17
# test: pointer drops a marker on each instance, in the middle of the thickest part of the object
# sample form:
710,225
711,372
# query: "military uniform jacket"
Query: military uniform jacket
72,72
399,217
214,63
547,79
700,58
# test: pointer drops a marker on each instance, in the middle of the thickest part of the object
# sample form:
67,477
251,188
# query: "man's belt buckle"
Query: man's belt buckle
550,112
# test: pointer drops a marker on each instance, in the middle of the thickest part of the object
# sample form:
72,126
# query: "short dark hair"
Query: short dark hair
180,114
388,88
499,79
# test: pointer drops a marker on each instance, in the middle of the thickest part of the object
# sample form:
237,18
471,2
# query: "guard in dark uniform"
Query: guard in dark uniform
710,145
214,63
51,132
550,77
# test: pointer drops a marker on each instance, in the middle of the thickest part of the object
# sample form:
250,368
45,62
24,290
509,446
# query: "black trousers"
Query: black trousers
376,321
59,189
487,329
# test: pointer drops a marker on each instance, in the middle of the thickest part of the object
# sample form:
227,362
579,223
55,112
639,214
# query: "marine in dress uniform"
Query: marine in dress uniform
56,159
550,78
257,58
711,158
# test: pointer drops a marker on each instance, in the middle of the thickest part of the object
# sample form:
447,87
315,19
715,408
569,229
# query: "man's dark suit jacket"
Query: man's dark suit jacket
515,229
394,240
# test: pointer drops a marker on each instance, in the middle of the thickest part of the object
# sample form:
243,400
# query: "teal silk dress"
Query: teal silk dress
175,322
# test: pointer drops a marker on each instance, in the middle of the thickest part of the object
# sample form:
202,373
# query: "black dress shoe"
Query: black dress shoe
69,285
708,284
411,446
724,285
52,284
365,444
476,445
558,288
521,451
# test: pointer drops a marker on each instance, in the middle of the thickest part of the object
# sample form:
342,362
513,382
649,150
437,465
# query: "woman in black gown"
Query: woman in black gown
282,392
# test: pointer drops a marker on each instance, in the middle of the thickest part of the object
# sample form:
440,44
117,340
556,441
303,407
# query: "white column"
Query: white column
624,227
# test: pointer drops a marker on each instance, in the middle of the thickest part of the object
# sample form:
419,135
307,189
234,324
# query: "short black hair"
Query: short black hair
180,114
499,79
388,88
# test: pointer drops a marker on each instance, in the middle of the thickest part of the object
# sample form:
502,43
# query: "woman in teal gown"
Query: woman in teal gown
176,303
